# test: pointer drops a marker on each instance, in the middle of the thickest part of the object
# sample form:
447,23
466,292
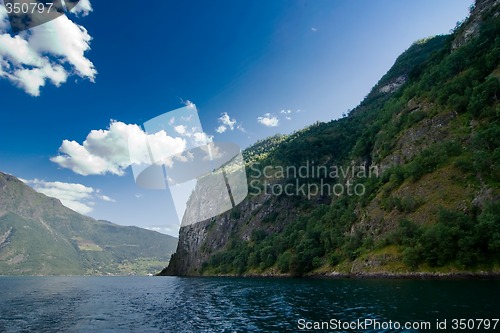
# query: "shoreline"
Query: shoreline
416,275
325,276
361,276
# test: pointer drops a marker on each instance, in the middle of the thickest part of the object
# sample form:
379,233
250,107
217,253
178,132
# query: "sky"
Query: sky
74,90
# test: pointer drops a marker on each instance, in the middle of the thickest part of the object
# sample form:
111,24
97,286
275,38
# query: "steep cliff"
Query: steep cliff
422,152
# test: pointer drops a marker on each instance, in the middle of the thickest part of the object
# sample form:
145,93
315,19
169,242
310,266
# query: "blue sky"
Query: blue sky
242,61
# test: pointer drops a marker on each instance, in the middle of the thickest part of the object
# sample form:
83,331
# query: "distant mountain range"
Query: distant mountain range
430,131
40,236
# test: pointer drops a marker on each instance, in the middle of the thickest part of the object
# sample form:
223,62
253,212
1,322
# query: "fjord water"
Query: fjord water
170,304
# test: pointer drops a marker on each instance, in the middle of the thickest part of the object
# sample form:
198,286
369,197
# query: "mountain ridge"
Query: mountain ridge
430,126
40,236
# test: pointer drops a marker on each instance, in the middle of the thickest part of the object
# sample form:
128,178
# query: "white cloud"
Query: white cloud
221,129
201,138
169,229
224,119
314,29
107,151
286,114
188,103
161,146
181,129
63,38
106,198
78,197
228,123
268,120
50,52
83,8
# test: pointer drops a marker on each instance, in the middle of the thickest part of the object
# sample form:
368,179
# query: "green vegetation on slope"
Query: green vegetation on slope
29,246
39,236
435,140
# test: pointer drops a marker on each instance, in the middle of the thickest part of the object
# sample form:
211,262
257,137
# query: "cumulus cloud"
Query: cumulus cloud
181,129
286,111
83,8
50,52
268,120
226,120
78,197
228,123
221,129
201,138
107,151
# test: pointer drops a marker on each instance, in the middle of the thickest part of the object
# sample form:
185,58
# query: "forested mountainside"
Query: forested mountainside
412,182
40,236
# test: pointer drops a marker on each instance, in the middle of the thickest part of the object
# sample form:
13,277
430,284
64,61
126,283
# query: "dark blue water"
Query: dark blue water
168,304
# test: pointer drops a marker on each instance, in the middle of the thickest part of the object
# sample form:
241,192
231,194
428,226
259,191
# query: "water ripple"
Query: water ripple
146,304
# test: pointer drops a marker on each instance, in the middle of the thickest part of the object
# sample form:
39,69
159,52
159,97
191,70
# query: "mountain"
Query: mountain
40,236
410,178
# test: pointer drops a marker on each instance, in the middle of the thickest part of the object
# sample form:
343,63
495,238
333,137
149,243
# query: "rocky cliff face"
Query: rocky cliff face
471,26
199,241
402,126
